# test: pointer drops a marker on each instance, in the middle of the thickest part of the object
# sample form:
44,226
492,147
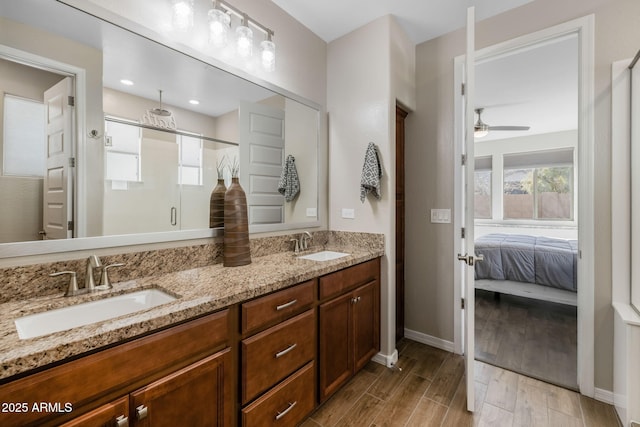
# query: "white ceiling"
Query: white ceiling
421,19
533,87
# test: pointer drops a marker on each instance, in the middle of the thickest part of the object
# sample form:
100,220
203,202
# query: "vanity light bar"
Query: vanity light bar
243,16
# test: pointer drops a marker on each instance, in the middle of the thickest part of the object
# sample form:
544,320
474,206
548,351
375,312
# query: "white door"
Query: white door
261,161
58,177
469,257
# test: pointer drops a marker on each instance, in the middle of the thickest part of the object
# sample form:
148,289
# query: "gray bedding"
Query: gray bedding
533,259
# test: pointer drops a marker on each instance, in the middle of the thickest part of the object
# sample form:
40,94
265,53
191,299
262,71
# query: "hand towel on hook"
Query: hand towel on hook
371,173
289,184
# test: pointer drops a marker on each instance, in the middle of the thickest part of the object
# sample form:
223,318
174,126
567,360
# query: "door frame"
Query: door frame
79,120
584,29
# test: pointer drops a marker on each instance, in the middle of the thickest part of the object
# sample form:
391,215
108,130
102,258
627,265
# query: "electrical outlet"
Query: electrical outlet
441,216
348,213
312,212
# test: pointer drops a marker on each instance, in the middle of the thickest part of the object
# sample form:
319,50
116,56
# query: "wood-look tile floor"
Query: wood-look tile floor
528,336
430,391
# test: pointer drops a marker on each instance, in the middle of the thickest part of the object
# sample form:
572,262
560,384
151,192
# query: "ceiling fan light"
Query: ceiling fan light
480,133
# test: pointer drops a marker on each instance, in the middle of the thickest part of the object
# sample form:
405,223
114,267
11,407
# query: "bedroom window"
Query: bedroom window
482,188
538,185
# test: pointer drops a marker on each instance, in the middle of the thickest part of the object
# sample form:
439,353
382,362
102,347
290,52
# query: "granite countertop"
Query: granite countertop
199,291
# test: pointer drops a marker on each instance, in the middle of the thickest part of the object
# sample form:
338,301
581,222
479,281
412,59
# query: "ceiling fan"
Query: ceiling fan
482,129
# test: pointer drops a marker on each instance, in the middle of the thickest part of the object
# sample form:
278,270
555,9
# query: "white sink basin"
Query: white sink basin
324,256
62,319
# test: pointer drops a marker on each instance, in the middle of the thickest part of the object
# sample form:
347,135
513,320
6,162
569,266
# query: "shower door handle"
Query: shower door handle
174,215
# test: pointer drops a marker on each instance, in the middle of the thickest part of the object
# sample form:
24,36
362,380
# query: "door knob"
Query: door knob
470,260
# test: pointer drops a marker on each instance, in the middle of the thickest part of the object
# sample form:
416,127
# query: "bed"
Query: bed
511,261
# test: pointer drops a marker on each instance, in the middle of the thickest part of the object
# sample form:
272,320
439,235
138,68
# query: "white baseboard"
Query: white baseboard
605,396
429,340
388,360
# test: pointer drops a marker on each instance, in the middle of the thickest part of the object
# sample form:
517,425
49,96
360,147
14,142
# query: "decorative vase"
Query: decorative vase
216,205
236,250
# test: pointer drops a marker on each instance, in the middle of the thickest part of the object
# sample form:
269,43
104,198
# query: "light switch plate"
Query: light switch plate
348,213
441,216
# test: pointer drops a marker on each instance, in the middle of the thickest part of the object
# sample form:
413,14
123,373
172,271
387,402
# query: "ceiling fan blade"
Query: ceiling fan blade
509,127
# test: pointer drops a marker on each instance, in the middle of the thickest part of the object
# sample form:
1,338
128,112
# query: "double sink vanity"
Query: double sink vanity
262,344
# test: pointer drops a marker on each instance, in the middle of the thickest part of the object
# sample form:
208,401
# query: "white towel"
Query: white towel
289,184
371,173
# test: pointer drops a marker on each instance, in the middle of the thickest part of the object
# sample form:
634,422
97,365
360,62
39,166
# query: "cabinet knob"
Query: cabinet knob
142,412
122,421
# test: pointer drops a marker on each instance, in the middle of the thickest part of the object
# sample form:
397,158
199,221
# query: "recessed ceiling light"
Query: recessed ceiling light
194,102
126,82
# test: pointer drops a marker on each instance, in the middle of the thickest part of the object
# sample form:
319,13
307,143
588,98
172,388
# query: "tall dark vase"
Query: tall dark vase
236,250
216,205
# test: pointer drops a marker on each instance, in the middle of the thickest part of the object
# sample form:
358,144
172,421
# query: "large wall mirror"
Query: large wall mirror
138,176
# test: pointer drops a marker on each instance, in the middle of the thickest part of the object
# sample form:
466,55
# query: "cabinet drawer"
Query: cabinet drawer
270,356
287,404
277,307
341,281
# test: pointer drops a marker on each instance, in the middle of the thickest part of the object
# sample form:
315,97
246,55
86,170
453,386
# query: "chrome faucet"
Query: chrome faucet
304,240
93,263
89,281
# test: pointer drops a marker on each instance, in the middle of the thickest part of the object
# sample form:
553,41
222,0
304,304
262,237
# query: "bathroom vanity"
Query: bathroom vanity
239,346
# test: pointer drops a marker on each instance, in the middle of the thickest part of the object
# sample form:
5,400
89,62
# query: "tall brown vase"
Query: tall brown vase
236,251
216,205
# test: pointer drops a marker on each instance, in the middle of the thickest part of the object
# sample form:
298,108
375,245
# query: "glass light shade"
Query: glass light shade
219,24
268,55
480,133
244,41
182,18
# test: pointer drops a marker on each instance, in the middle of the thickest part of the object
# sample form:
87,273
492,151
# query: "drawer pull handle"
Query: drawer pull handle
285,351
286,305
122,421
283,413
141,412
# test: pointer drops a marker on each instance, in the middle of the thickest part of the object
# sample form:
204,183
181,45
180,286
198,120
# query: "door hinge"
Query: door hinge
463,159
462,233
70,225
462,87
72,162
462,303
71,101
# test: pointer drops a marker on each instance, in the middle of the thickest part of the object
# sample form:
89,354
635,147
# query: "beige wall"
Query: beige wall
429,160
363,84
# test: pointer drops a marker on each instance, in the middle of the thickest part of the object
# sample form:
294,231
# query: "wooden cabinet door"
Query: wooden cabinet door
198,395
335,355
366,324
112,414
